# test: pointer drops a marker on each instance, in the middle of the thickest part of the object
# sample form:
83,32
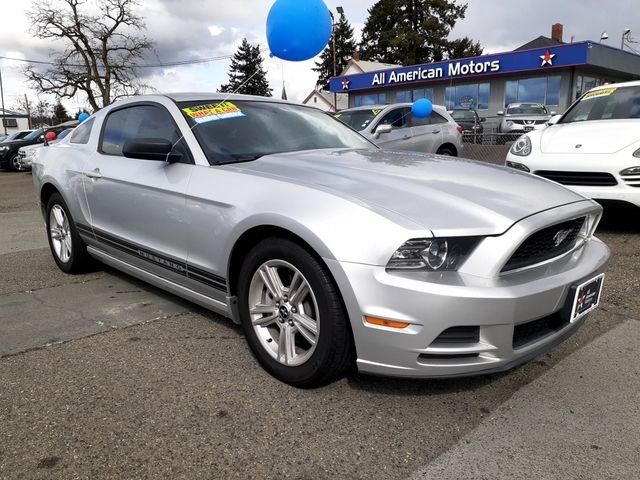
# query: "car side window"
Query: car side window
82,132
140,122
436,118
397,118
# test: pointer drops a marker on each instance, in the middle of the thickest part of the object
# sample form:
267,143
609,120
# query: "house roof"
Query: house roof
539,42
11,113
327,97
365,66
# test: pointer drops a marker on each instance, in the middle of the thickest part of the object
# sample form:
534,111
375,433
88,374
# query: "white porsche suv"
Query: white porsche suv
594,148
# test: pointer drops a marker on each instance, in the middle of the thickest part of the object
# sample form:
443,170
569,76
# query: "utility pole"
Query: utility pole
335,66
26,102
4,125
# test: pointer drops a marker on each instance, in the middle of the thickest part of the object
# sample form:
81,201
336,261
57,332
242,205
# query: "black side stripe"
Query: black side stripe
175,265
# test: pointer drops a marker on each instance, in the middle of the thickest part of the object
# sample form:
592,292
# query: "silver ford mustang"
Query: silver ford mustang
327,250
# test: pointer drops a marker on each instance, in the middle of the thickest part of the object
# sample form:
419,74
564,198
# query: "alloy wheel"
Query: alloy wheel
284,312
60,232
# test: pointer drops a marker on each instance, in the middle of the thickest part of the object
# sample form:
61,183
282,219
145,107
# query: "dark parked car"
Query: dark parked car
9,157
470,122
15,136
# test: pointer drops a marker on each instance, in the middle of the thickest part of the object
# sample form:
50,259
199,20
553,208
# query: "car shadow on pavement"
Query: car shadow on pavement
619,217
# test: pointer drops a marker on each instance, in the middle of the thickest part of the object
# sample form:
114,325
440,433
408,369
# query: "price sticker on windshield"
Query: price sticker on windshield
213,112
600,93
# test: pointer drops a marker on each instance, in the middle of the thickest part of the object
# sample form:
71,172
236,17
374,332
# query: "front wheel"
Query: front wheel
292,314
14,163
68,249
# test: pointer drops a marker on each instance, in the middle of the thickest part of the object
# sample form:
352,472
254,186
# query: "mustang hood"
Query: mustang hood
449,196
599,136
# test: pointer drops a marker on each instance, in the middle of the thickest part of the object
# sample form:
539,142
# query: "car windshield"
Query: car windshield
244,130
12,137
463,115
527,110
64,133
613,103
358,119
34,135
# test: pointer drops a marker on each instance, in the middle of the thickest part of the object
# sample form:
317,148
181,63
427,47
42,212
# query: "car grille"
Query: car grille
632,180
546,244
529,122
530,332
591,179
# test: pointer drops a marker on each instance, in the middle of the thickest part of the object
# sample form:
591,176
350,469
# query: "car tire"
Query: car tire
303,340
13,163
68,249
446,151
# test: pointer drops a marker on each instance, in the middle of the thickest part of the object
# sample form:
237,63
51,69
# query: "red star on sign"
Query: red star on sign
345,84
547,58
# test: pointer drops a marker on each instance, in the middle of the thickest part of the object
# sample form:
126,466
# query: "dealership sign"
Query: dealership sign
511,62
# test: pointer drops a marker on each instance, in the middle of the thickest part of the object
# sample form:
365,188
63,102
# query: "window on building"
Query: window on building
543,90
471,96
379,98
584,83
10,122
411,95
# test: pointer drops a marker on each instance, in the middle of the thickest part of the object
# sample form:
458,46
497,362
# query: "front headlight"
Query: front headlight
509,123
631,170
4,149
433,254
637,153
522,146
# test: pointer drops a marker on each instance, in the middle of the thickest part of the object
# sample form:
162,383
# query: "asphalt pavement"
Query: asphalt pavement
102,376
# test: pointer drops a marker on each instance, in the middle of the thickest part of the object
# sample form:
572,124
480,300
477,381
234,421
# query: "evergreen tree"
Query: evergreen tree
345,47
409,32
60,114
242,73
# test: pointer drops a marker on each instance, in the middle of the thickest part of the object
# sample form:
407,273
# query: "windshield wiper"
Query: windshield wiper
249,158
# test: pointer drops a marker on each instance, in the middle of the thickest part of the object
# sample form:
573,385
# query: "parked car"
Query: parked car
471,123
393,127
594,148
327,250
9,157
27,154
16,136
520,118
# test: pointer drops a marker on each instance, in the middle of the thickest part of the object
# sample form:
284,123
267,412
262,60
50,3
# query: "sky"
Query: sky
192,29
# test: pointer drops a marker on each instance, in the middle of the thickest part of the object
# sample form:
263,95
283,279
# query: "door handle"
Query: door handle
435,132
94,174
407,136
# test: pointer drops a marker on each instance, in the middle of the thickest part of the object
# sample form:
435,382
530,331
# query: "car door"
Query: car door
428,132
137,207
398,138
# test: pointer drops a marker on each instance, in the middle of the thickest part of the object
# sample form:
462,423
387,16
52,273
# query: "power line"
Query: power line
142,65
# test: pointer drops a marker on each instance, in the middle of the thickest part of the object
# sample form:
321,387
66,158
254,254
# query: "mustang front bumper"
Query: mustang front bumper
517,315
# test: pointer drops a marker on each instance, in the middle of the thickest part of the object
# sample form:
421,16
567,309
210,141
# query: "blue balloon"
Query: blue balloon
422,108
298,30
83,116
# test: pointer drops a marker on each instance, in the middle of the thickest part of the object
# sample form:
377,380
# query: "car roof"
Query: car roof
439,108
217,97
525,104
634,83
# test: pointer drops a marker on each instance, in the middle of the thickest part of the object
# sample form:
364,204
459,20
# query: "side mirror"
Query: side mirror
555,119
500,113
41,138
483,119
382,129
150,149
553,114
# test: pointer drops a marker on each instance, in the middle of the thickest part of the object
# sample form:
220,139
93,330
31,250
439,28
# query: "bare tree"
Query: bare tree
102,40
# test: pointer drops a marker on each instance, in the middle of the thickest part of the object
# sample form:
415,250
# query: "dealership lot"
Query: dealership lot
103,376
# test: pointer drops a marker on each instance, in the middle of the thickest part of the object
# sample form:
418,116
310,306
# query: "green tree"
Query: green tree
345,47
409,32
60,114
247,74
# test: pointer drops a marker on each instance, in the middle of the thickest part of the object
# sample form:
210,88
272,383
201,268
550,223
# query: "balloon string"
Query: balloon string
220,103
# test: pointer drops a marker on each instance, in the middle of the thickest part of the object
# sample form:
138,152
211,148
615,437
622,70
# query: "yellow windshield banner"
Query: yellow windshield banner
212,112
599,93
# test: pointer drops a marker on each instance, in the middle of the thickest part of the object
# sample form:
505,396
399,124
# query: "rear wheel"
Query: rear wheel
292,314
68,249
447,151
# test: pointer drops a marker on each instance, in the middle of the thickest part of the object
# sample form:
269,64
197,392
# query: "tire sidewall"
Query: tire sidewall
325,297
12,166
76,241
